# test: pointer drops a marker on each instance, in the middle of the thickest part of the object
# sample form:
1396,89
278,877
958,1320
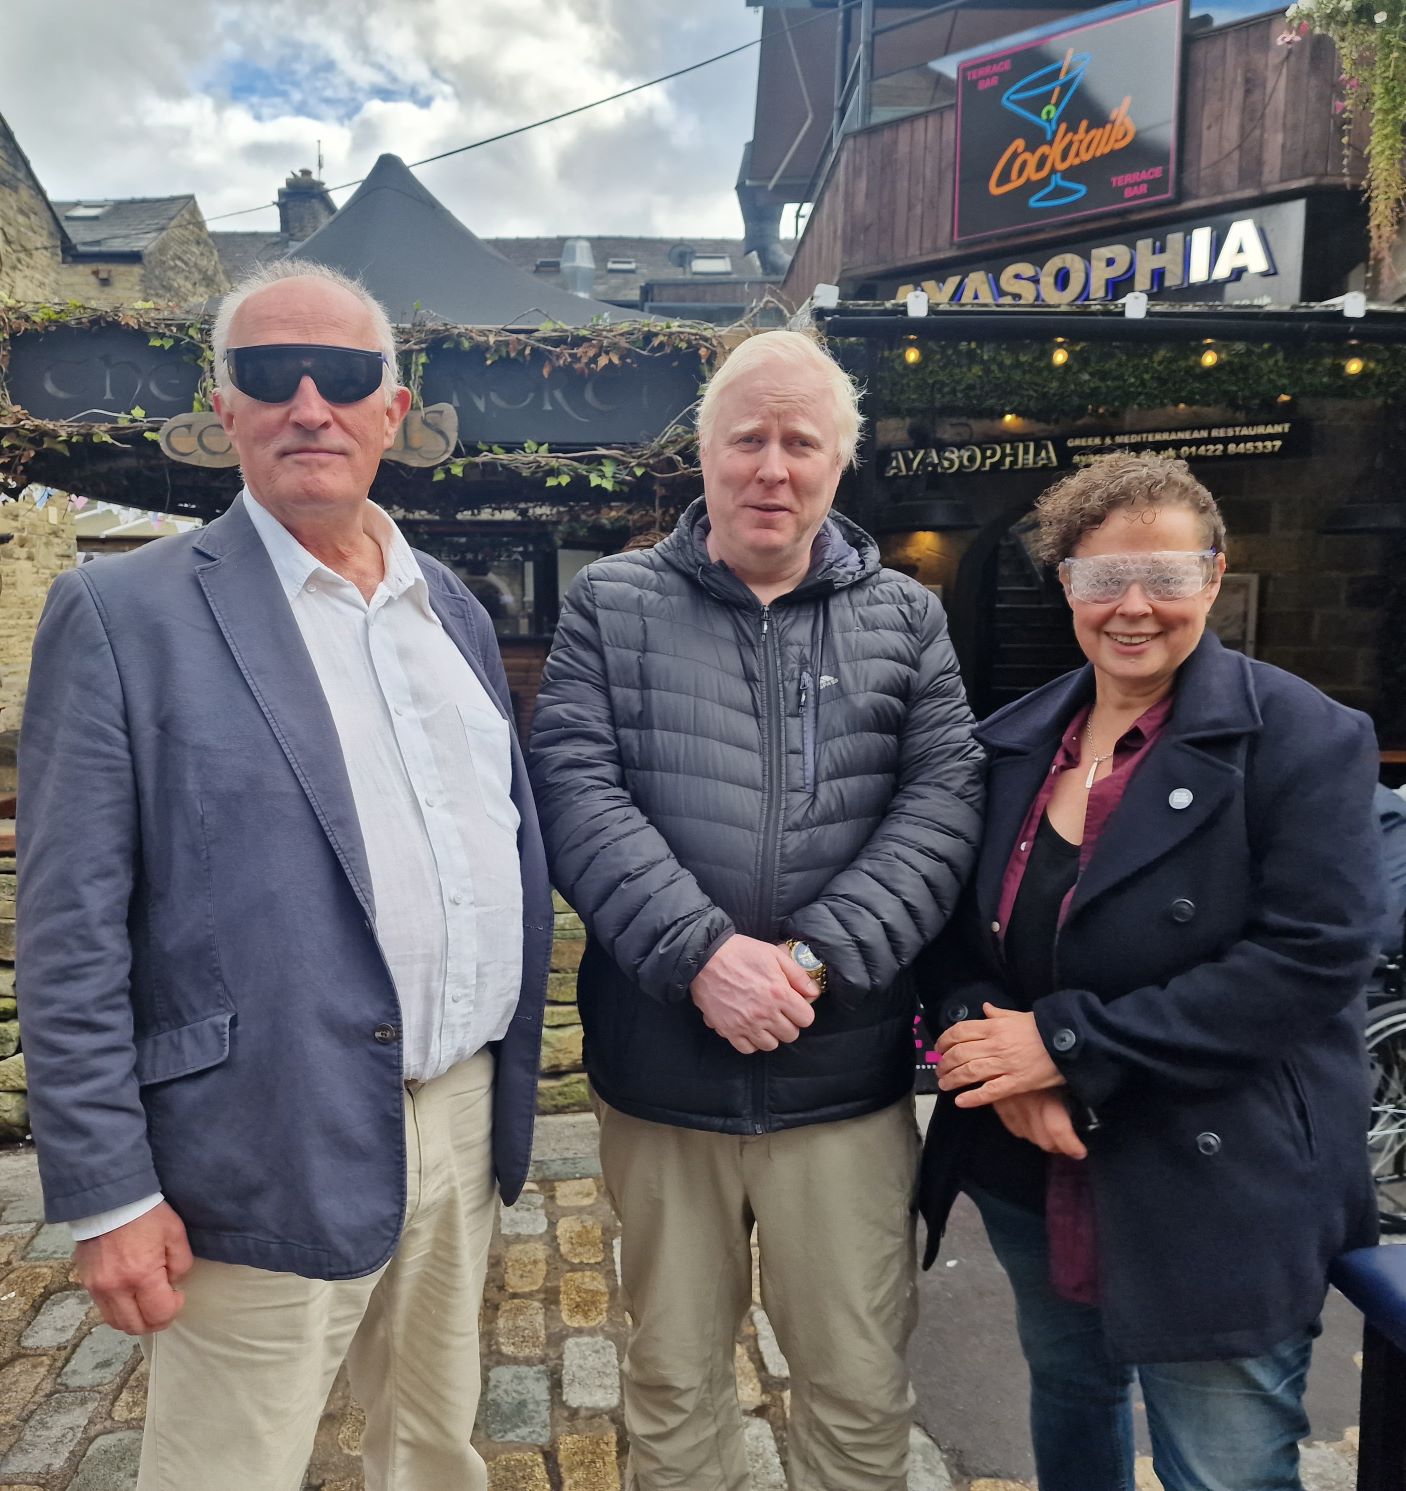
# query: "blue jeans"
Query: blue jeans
1215,1426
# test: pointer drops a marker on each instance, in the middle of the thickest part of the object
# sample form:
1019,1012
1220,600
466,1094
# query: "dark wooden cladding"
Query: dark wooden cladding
1257,120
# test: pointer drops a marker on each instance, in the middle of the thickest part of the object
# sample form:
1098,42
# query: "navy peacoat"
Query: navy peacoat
1208,1004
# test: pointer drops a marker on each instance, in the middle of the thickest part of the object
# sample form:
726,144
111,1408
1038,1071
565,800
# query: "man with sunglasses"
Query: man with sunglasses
286,921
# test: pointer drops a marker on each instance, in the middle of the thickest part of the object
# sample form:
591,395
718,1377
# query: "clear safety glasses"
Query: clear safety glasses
1168,575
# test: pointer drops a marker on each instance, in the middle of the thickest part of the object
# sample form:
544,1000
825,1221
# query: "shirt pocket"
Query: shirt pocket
491,764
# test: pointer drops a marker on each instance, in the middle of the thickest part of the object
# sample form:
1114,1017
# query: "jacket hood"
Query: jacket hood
842,553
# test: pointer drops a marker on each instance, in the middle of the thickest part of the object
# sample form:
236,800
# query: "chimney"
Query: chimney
303,206
578,266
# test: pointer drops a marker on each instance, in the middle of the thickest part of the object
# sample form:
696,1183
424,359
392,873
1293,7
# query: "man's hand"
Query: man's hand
753,994
1043,1119
131,1271
1003,1053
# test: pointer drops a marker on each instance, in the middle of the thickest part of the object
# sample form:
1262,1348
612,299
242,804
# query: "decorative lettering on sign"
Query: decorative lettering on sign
1042,453
425,438
1206,255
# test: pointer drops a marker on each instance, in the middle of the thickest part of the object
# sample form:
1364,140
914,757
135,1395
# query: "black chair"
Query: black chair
1374,1279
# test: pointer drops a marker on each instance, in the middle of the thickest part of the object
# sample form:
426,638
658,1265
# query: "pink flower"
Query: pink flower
1286,39
1338,106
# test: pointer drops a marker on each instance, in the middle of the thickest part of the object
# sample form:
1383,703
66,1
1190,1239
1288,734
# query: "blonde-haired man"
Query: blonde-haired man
754,764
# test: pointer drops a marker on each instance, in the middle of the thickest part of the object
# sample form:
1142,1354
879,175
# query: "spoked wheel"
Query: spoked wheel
1386,1134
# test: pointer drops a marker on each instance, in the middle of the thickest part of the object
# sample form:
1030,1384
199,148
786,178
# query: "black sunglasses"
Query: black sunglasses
271,374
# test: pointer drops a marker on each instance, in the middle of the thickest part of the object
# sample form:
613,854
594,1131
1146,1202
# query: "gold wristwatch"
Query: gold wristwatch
810,965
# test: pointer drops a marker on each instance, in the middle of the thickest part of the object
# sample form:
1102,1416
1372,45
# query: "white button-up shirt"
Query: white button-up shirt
430,765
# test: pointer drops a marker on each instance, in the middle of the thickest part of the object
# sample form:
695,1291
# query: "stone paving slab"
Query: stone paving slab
73,1392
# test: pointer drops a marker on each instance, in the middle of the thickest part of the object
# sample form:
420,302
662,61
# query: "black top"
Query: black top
997,1161
1050,873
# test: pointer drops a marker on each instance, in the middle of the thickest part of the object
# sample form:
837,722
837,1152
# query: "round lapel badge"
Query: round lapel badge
1181,798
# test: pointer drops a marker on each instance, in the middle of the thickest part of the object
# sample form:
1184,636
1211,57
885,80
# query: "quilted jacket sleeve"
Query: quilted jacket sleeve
613,866
874,918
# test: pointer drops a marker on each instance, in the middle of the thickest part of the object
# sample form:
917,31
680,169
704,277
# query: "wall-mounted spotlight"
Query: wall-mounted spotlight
1209,357
1354,367
1059,356
912,354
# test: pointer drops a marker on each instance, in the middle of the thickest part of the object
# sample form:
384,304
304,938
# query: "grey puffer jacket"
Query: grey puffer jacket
706,765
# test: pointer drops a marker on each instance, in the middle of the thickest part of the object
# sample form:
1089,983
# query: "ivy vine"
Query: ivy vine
666,458
1370,36
988,379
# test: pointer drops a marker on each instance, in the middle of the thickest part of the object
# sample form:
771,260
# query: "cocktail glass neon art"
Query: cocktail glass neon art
1042,98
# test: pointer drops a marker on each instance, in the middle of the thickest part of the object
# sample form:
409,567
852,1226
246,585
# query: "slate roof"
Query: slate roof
417,258
651,256
243,251
128,225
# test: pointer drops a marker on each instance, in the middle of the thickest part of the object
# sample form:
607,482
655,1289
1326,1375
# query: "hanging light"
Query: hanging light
1209,357
1354,367
912,353
1059,356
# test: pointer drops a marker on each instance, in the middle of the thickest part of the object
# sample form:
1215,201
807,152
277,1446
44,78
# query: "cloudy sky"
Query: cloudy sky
224,98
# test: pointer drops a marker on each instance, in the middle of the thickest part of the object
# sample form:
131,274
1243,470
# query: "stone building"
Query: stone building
32,238
139,248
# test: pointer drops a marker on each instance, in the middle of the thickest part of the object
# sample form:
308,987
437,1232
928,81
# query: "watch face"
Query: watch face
806,958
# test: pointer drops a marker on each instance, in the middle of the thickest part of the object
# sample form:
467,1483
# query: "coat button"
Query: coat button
1183,910
1208,1143
1064,1040
386,1034
955,1012
1180,798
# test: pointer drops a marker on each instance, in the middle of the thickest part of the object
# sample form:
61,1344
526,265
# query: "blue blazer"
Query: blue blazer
204,1005
1208,1002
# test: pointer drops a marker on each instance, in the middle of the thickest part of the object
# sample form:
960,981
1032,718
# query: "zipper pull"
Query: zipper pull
766,619
805,691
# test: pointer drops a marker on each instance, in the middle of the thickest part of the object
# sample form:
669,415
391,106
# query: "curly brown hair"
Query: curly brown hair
1081,501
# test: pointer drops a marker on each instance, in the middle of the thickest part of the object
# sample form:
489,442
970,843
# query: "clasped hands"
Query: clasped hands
754,994
1002,1062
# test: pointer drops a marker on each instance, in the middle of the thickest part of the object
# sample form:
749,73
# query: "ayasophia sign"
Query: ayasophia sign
1076,122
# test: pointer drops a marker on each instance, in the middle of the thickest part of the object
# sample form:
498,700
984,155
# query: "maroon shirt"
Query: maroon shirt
1069,1214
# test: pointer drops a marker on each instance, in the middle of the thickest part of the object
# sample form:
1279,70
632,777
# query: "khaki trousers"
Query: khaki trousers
239,1381
833,1204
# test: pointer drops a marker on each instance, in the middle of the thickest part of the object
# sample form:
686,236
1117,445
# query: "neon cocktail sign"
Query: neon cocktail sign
1042,98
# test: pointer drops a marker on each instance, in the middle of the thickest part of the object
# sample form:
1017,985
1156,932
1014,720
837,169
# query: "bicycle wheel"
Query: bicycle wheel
1386,1134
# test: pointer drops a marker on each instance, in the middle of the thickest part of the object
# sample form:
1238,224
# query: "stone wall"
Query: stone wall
30,256
1321,600
43,543
181,268
563,1088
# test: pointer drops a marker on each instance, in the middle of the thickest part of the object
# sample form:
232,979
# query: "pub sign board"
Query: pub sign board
97,374
509,400
1074,123
1255,440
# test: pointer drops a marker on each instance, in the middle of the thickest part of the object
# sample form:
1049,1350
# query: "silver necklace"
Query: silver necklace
1098,760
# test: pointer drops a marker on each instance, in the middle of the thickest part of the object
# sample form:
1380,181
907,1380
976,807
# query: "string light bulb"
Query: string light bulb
1354,367
912,353
1209,357
1010,419
1059,356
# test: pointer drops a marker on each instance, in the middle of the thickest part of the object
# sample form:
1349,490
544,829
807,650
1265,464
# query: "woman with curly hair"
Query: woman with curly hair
1152,1069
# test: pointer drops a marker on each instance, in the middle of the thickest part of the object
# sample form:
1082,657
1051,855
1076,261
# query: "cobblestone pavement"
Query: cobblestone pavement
73,1391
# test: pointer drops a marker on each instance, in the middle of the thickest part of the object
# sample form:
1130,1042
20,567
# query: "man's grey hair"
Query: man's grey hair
302,269
794,350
